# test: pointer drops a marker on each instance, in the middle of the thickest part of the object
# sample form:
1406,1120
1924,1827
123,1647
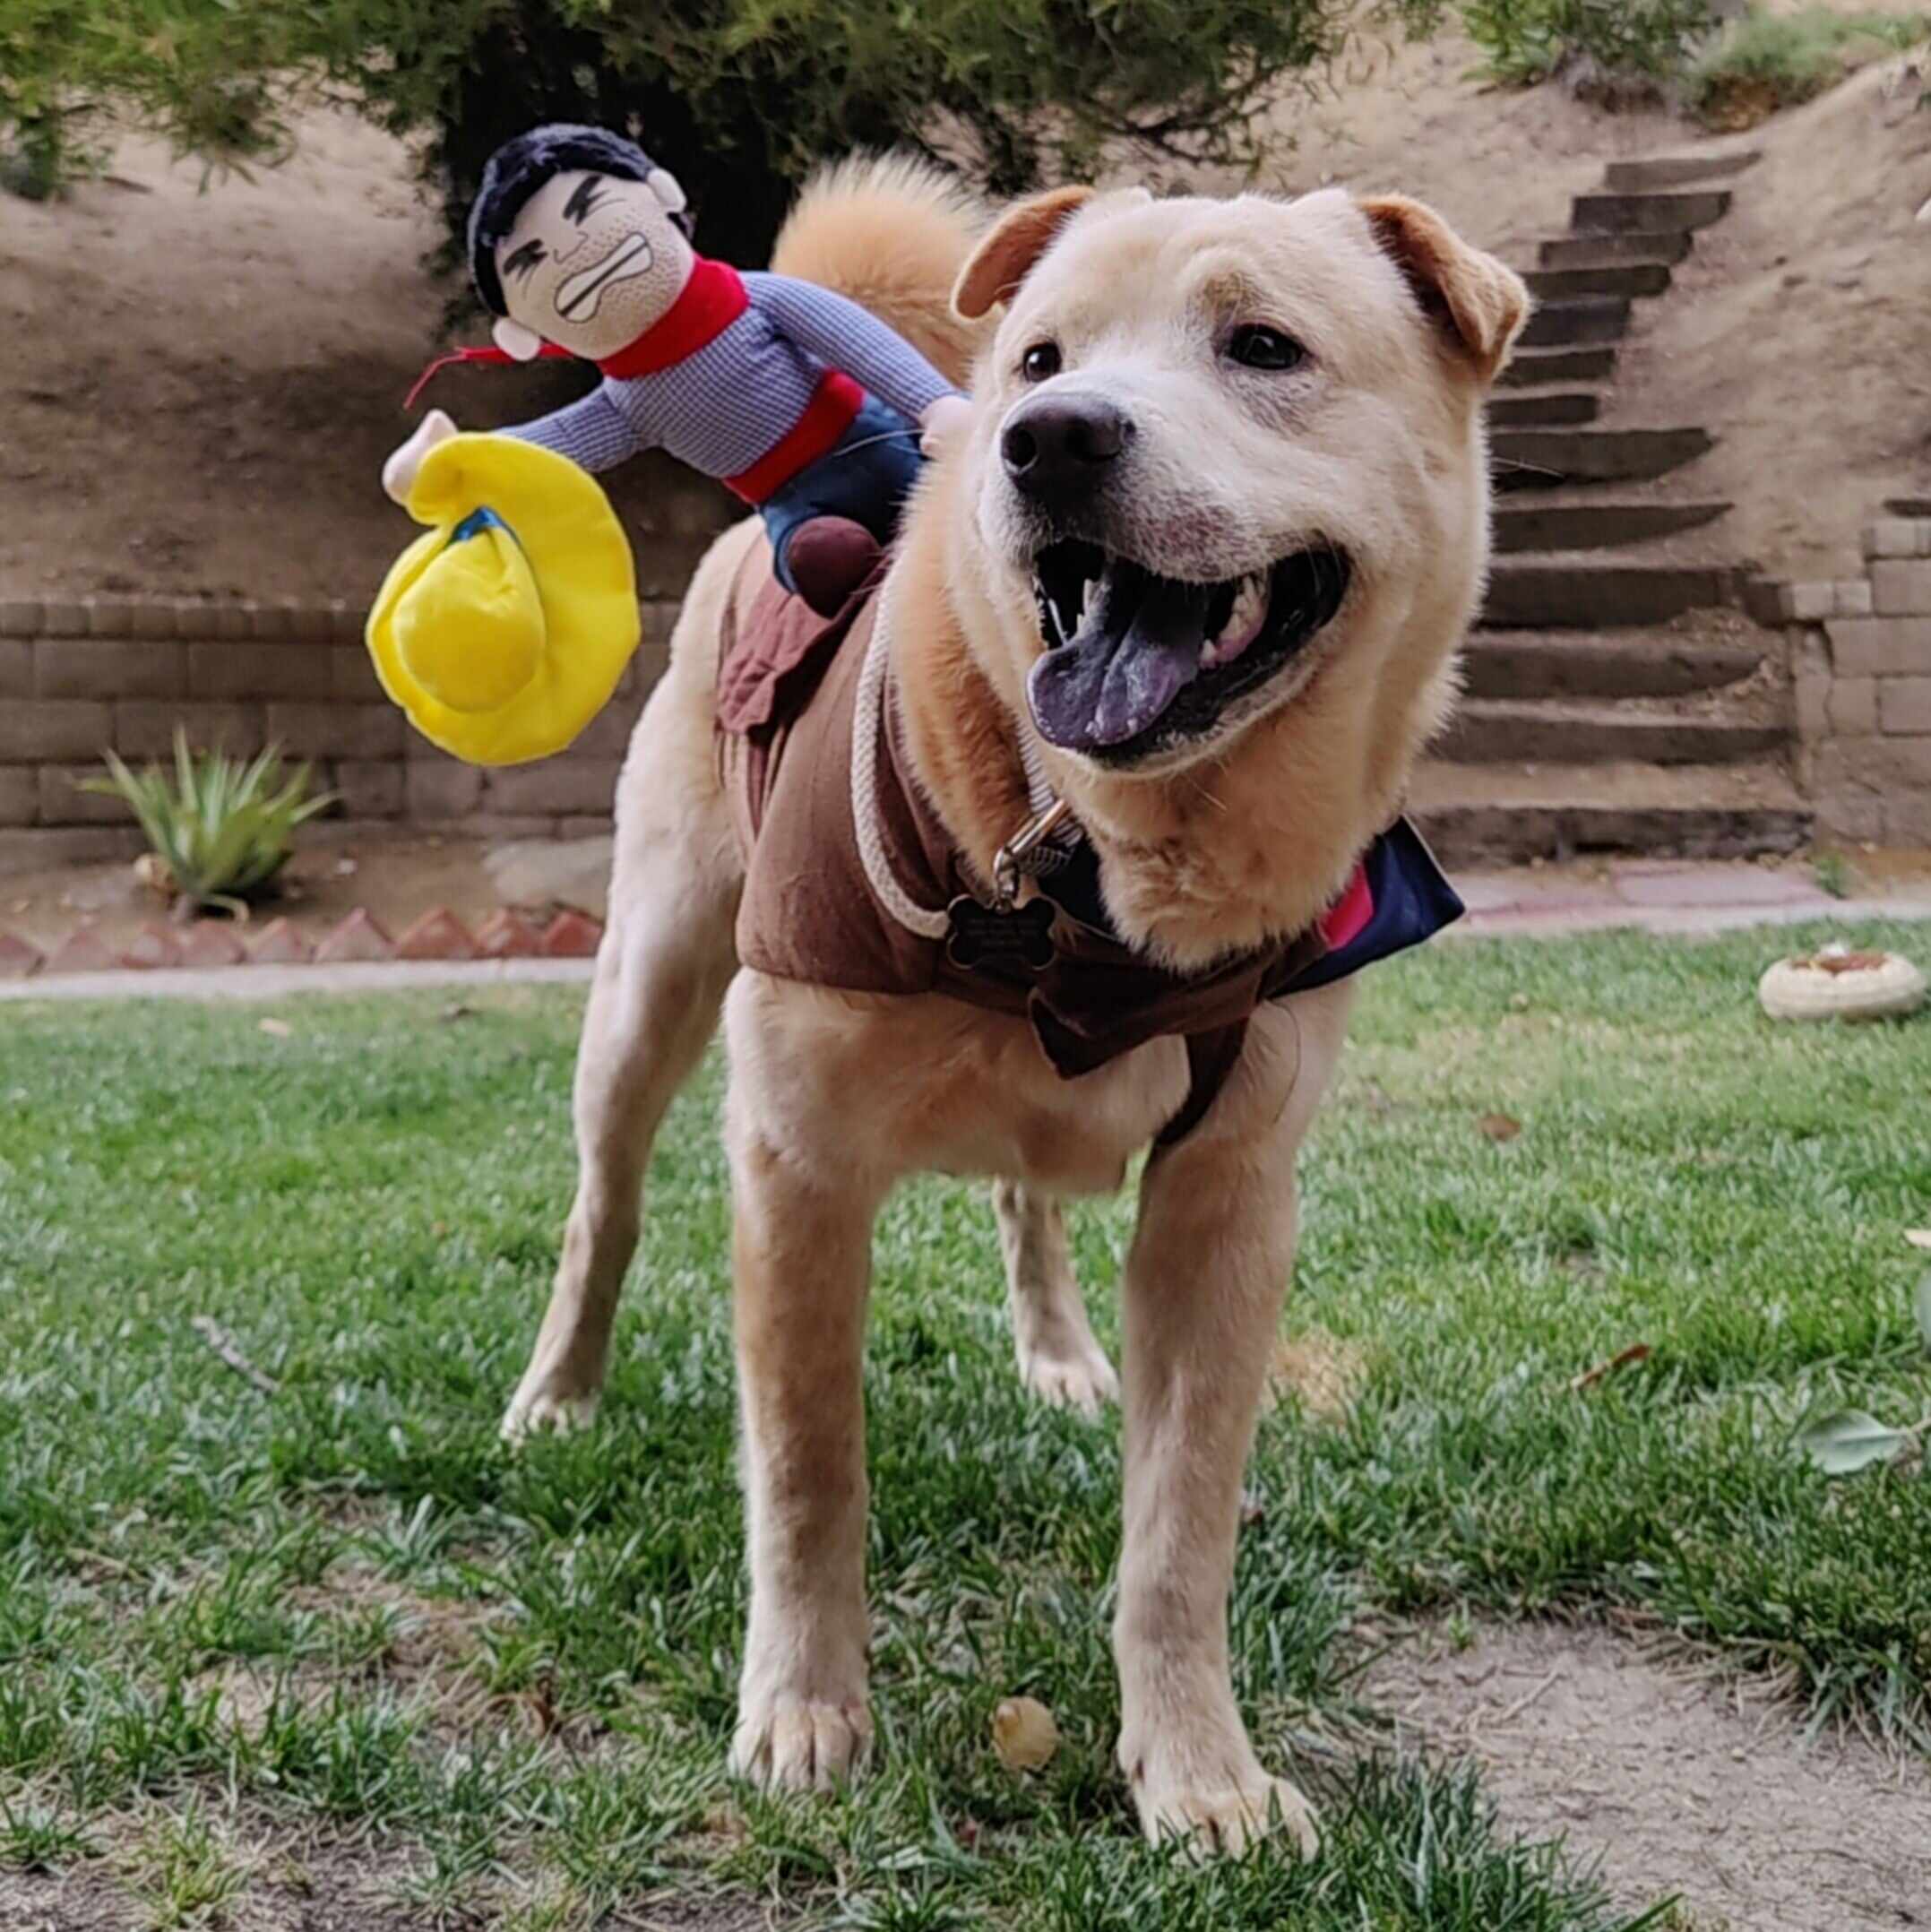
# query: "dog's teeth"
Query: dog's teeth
1243,622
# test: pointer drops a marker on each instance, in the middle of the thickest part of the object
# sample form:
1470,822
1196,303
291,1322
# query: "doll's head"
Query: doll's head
577,238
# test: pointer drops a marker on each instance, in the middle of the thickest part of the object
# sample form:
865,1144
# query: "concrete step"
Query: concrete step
1619,278
1544,409
1533,367
1592,526
1607,251
1539,596
1585,731
1549,459
1647,214
1659,171
1484,815
1527,665
1591,318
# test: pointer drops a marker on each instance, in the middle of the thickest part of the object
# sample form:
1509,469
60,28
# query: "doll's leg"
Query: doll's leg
829,524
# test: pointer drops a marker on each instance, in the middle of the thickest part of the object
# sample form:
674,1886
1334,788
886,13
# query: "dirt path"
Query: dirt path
1674,1779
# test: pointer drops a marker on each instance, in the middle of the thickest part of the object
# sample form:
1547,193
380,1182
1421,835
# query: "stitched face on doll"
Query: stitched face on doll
592,263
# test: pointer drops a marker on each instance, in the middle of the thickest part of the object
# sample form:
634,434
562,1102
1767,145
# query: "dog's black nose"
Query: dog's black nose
1061,447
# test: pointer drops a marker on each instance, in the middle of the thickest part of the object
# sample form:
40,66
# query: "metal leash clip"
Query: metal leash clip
1020,857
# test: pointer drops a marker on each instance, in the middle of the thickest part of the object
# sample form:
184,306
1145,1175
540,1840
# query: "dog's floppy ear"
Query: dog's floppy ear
1478,301
1013,246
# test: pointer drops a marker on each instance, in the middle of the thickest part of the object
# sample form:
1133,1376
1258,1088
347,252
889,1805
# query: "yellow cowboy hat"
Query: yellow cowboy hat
502,632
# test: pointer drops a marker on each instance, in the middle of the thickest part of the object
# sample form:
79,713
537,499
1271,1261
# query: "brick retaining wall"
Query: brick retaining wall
1862,662
76,677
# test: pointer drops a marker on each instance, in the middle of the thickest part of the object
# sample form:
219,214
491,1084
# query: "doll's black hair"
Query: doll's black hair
519,168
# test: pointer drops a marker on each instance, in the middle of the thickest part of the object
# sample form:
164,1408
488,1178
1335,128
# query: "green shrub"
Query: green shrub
216,77
223,828
1766,61
739,98
1524,41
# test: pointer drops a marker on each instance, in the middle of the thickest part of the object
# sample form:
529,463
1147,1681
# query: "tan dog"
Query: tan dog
1228,457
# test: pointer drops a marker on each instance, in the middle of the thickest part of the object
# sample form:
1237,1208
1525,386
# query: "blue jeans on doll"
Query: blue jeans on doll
866,476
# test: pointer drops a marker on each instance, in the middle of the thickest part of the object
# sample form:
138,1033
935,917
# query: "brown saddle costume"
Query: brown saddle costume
787,720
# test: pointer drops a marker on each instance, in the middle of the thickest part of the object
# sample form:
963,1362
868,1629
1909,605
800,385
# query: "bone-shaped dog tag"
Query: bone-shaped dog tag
980,936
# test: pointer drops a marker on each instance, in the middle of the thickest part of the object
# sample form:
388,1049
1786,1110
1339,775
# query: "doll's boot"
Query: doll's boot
828,558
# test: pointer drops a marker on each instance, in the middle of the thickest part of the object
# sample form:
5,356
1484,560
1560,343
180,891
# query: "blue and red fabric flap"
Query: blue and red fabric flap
1408,900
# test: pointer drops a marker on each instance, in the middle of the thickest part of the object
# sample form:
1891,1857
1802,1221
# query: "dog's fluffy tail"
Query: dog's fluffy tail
892,232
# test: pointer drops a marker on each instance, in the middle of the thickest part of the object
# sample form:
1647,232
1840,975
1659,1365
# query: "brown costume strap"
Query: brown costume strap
787,690
1211,1059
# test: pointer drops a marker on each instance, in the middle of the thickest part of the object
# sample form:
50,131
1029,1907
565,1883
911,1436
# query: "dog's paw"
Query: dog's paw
1074,1373
1229,1820
534,1409
786,1744
1220,1800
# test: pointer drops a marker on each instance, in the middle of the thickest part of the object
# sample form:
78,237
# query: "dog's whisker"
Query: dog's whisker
865,443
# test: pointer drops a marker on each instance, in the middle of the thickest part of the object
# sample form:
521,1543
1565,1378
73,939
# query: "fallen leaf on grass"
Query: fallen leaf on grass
1919,1237
1499,1126
1023,1733
1637,1352
1323,1370
280,1029
1846,1440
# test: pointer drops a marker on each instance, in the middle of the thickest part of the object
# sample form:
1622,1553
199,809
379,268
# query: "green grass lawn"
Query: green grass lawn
333,1650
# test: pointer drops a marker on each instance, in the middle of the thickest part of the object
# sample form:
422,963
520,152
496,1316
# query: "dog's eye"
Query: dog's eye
1040,361
1259,347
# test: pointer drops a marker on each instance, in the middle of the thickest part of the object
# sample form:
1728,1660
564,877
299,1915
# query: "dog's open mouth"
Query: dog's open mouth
1135,662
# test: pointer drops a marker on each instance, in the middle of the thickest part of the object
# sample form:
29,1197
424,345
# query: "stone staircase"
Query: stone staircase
1617,697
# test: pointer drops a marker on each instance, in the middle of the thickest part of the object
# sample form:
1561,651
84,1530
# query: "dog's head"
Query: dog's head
1225,452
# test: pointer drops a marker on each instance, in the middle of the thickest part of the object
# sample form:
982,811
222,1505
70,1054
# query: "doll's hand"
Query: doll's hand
945,420
399,473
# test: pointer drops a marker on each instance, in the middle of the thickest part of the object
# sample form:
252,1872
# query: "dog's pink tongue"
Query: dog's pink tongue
1131,658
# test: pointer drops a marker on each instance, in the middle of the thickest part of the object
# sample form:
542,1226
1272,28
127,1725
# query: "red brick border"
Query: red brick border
356,939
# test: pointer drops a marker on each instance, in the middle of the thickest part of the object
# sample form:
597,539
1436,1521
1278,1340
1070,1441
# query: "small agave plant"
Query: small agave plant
221,827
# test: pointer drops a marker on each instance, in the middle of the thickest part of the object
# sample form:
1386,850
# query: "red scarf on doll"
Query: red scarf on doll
707,304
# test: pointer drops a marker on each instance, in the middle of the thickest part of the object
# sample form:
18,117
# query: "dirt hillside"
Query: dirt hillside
1797,330
203,381
1800,330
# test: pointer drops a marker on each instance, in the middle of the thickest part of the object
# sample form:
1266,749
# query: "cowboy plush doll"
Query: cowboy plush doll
801,403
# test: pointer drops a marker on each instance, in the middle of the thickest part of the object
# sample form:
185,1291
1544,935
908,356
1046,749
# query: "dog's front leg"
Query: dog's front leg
1201,1300
802,1251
